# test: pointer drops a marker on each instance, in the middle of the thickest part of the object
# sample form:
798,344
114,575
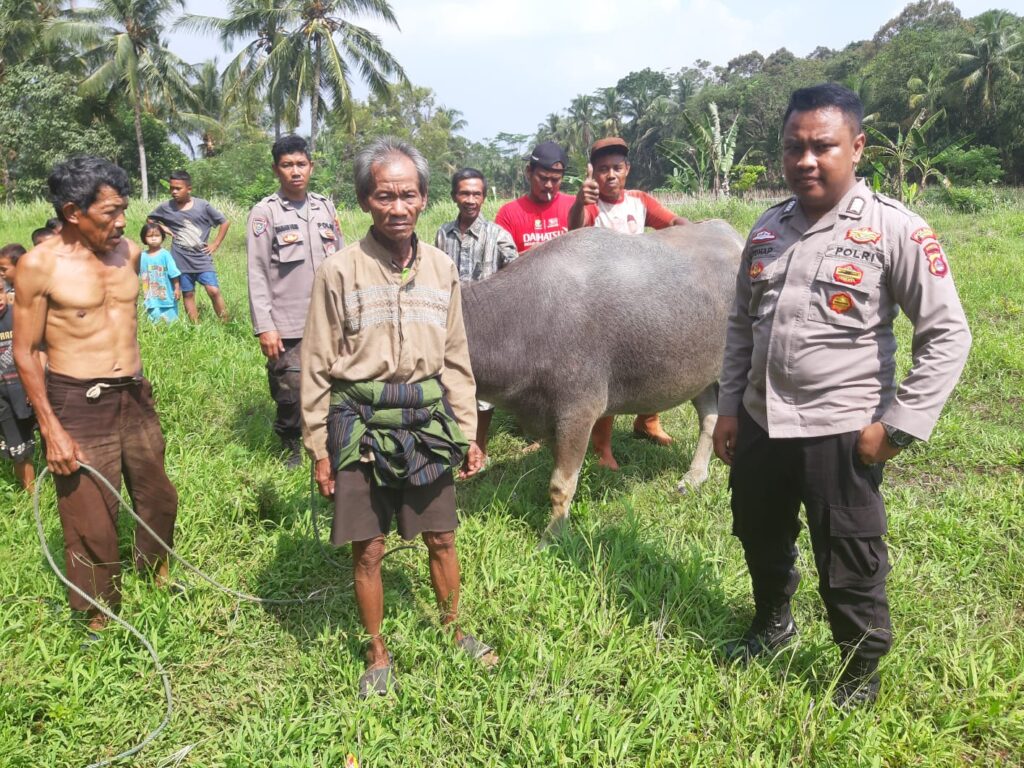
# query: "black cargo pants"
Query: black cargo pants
845,516
283,375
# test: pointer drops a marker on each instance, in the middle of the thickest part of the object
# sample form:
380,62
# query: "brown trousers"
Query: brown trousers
118,430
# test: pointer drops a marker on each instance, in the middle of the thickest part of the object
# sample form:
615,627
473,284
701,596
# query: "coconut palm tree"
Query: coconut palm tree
22,23
320,48
582,116
247,77
609,110
997,52
122,47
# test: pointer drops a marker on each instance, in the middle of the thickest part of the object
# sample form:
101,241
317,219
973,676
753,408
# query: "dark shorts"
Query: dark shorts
17,436
188,280
118,430
364,510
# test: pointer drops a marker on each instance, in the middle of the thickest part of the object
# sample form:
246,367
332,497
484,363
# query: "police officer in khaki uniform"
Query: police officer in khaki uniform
289,235
809,408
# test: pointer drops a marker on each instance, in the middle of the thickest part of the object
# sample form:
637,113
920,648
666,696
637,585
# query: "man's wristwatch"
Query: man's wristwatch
897,437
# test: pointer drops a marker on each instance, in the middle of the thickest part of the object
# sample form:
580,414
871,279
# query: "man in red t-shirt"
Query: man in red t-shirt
604,201
543,213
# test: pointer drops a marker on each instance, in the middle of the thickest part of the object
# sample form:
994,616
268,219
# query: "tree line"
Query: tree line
942,93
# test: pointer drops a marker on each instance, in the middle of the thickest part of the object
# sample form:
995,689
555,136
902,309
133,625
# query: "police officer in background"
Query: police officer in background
289,235
809,409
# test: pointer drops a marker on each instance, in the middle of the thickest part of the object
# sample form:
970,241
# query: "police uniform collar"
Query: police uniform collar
291,204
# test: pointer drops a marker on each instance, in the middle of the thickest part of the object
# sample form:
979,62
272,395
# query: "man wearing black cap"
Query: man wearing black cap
604,201
543,213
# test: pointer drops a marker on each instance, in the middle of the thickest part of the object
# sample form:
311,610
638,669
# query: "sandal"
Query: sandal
379,681
477,651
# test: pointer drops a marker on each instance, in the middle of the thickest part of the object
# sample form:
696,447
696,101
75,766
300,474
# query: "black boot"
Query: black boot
858,684
772,628
292,452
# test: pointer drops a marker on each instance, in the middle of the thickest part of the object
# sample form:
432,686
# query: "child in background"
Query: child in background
161,288
17,423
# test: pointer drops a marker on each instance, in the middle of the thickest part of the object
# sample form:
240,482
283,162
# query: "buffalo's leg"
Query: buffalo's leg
570,447
706,404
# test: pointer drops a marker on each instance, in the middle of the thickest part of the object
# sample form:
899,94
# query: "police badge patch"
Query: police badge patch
848,274
763,236
840,303
259,226
863,235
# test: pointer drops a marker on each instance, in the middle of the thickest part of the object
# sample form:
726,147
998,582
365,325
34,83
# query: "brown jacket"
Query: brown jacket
368,322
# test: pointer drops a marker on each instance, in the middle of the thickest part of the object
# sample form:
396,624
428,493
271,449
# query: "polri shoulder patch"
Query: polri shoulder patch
922,234
936,259
259,225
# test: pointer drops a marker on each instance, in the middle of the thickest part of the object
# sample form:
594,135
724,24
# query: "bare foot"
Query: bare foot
97,623
608,462
532,447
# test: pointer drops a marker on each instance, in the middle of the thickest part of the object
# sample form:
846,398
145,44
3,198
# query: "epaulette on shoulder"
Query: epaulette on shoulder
787,205
890,202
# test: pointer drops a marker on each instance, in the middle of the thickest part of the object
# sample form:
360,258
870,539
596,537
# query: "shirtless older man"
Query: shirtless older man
77,294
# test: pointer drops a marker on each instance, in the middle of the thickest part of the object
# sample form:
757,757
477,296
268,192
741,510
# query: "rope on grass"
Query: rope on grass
243,596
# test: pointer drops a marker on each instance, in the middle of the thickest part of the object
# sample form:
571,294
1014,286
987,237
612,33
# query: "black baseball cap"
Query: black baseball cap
548,154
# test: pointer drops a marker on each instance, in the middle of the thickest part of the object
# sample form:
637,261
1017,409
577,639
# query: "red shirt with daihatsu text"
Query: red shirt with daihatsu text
531,223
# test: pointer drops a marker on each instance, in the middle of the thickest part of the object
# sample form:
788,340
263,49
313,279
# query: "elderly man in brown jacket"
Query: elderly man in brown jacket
388,395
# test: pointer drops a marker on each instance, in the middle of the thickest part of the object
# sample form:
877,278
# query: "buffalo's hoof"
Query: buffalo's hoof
691,483
555,530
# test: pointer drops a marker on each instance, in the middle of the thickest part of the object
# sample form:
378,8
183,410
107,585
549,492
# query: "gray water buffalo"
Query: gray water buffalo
598,323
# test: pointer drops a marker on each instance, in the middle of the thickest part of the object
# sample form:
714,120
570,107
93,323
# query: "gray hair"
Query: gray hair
380,151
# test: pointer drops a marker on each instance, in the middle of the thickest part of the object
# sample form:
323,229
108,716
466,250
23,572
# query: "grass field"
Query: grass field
608,641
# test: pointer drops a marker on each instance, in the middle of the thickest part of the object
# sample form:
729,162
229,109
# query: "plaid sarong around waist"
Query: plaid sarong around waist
407,430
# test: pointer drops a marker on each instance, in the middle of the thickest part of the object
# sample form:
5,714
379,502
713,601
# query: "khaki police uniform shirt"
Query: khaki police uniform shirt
286,244
372,321
810,348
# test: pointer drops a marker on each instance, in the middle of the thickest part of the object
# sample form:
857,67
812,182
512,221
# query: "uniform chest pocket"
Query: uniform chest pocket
765,276
845,292
288,246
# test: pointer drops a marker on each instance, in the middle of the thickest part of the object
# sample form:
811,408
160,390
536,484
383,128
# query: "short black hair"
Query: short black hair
289,145
78,180
148,227
467,173
827,96
40,234
12,251
181,175
52,223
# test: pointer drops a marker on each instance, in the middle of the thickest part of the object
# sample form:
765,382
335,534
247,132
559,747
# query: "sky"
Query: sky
507,65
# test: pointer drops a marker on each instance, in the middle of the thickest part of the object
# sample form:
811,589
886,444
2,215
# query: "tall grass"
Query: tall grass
608,641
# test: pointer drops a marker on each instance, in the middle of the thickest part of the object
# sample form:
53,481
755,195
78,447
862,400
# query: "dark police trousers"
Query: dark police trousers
283,375
845,517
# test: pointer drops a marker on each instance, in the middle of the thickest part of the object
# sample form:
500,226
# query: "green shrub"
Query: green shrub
744,177
969,199
977,165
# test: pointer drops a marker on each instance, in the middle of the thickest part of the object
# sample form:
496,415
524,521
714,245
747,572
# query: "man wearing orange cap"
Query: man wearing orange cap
604,201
